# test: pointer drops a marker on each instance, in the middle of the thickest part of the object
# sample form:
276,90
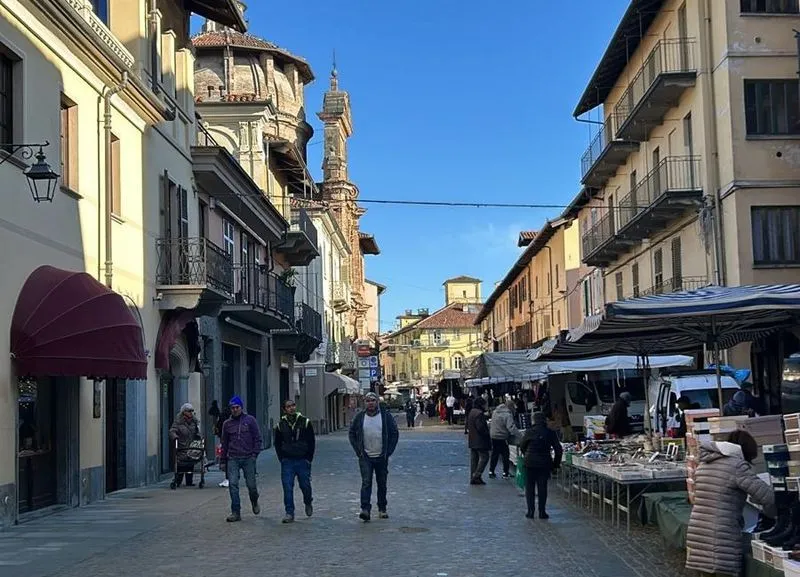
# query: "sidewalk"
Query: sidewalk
45,545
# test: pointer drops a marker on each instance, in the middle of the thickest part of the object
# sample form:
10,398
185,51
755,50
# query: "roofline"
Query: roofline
381,288
455,279
368,244
593,96
541,240
580,200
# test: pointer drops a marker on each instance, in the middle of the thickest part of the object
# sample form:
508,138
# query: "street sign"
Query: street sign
363,363
373,373
373,362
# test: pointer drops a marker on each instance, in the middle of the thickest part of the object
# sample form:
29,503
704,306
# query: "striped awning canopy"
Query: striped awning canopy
681,322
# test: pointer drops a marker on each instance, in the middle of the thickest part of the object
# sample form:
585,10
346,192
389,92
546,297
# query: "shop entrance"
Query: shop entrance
116,448
251,379
47,448
284,382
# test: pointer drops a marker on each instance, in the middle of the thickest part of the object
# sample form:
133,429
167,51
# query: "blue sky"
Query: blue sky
453,100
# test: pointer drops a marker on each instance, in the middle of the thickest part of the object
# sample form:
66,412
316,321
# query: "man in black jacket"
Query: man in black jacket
618,422
294,446
373,436
537,445
480,441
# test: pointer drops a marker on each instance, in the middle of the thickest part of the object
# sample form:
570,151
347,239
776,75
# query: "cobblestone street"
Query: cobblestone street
438,526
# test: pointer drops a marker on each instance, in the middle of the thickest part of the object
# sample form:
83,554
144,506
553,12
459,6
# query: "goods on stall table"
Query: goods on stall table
595,426
697,431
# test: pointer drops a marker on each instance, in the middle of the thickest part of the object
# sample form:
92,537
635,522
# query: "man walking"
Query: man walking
479,441
241,444
294,447
373,436
543,453
503,430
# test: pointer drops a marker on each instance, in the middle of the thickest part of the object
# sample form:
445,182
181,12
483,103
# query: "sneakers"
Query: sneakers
492,475
288,519
364,516
383,515
225,483
233,518
506,476
256,508
309,510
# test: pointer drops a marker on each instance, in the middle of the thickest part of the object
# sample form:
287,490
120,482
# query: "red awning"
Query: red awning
68,324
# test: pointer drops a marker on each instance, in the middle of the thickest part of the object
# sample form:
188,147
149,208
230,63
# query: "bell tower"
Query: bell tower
341,194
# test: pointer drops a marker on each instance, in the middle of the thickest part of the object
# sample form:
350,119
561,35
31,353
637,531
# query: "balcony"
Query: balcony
666,73
600,244
192,273
667,192
347,355
304,337
605,155
676,284
341,296
104,36
300,245
261,299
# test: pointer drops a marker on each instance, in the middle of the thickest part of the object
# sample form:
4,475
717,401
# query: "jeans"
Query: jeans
410,420
478,462
500,449
536,480
379,466
248,466
291,468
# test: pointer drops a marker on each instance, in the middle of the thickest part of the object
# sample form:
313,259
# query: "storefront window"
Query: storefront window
37,450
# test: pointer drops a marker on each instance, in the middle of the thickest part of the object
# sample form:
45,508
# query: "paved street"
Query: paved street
439,526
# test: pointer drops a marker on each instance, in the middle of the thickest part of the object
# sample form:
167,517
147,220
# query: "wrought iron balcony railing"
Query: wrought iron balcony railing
204,137
669,56
602,139
599,234
672,174
308,321
676,284
193,262
255,285
300,221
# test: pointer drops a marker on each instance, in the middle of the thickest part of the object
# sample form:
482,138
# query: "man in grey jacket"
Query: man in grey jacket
502,430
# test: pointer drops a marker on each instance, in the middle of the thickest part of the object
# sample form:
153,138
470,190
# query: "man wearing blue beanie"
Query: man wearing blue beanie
241,444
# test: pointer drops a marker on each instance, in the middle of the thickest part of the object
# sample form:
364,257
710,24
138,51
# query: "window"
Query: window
618,283
100,8
457,362
227,237
183,212
658,270
437,337
116,176
776,235
438,364
677,264
456,334
6,100
770,6
69,144
635,278
772,107
557,276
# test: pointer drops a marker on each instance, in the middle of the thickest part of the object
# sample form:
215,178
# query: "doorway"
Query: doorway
48,442
116,447
284,385
252,361
167,408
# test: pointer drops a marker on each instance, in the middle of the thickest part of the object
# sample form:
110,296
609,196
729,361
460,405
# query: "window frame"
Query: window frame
748,7
228,240
754,107
68,138
115,166
758,263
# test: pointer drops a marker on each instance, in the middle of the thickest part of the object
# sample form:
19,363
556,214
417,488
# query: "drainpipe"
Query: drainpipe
109,174
709,115
155,65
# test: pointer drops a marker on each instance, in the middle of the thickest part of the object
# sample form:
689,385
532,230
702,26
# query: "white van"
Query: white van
699,386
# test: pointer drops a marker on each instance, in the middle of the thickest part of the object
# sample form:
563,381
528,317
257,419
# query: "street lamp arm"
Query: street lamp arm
12,149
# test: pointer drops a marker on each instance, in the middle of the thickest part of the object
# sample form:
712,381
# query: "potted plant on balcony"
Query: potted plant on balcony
288,275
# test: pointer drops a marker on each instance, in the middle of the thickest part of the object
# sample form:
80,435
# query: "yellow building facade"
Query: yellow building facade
427,344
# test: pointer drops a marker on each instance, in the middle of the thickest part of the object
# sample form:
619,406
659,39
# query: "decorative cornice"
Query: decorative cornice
106,37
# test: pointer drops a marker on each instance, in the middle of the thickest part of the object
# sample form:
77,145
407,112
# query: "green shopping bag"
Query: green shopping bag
520,476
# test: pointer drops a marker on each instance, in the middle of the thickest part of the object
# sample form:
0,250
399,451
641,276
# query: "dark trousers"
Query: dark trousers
477,464
500,449
378,466
449,411
410,420
536,480
291,468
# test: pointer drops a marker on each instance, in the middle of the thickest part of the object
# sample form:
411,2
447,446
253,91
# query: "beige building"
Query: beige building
692,178
109,85
373,299
463,289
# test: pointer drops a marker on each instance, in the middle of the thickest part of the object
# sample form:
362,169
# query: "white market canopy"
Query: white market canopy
514,366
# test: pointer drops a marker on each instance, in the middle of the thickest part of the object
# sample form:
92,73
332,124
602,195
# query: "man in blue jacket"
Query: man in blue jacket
241,444
373,436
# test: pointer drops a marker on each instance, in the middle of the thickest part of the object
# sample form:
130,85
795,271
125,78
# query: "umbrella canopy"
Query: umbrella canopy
67,324
501,367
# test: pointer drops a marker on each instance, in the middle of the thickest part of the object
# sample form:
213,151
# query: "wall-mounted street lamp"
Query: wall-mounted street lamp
42,179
